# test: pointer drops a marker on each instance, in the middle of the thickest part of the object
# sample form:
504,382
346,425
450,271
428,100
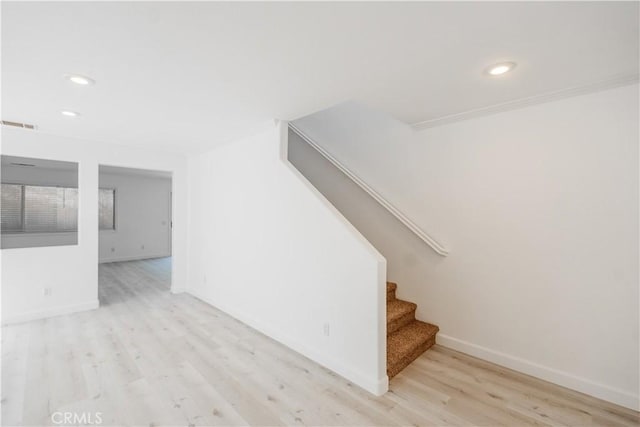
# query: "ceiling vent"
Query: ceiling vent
18,125
22,164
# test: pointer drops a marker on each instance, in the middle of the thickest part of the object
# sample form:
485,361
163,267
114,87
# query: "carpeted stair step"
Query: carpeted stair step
407,343
399,313
391,291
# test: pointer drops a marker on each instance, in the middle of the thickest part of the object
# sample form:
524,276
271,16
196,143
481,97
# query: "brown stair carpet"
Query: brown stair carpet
407,338
399,313
391,291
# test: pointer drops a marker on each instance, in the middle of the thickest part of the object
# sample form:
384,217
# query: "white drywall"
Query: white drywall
143,218
268,249
539,207
72,271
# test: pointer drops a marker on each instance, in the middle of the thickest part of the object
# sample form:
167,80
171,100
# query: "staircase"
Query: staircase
407,338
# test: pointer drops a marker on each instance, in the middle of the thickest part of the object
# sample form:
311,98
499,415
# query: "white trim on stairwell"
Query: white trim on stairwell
555,376
434,244
376,386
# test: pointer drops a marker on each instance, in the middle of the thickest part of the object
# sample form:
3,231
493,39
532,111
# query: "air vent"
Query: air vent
18,125
22,164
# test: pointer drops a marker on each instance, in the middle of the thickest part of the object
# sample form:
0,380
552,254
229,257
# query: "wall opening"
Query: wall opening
39,202
135,232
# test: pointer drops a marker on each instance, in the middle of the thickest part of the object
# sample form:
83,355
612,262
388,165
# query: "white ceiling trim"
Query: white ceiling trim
526,102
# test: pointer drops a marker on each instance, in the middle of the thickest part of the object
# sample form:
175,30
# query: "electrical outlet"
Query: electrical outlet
326,329
205,278
47,292
113,249
142,247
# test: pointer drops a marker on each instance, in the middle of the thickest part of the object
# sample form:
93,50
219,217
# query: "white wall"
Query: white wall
376,148
268,249
539,207
143,218
72,271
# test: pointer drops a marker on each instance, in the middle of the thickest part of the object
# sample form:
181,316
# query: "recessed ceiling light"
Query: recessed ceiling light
69,113
79,80
501,68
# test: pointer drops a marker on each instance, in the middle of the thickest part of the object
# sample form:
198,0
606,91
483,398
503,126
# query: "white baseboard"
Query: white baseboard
132,258
51,312
376,386
565,379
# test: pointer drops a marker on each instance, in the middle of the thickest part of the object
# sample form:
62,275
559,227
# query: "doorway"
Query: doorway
135,233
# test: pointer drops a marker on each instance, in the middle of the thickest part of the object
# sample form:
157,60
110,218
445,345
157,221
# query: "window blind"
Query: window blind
106,211
39,209
11,210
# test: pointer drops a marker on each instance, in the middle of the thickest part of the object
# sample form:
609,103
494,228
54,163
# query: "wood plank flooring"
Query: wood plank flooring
150,358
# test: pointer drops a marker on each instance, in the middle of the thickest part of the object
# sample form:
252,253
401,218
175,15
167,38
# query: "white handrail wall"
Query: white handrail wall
434,244
249,207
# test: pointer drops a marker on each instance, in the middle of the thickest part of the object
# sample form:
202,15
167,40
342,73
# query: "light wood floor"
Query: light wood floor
149,358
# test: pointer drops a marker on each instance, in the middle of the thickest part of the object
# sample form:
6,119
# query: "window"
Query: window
107,211
11,208
39,209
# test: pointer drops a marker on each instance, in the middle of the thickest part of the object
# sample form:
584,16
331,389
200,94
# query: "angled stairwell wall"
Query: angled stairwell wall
267,248
539,208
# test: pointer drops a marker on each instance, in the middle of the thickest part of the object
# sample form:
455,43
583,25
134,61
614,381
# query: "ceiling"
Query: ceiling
186,76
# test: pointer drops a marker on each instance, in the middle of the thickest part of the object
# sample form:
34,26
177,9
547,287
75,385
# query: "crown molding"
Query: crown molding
526,102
